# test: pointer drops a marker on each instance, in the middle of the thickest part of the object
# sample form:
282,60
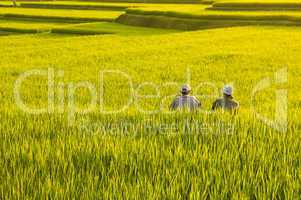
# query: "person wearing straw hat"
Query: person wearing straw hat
185,100
227,102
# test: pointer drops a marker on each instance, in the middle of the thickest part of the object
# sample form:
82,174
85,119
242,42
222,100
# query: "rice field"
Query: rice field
201,12
28,24
110,28
257,5
112,5
86,14
126,144
191,17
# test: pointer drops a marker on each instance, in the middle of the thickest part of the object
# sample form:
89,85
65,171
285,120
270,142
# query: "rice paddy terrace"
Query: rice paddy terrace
67,17
130,155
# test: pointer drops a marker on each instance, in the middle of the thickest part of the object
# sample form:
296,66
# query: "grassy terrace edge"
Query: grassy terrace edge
204,19
73,6
217,15
53,18
78,31
264,6
192,24
20,30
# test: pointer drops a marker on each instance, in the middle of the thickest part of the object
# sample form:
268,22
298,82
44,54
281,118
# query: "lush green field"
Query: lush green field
16,26
28,24
88,14
104,4
258,1
199,12
42,156
110,28
257,5
190,17
127,144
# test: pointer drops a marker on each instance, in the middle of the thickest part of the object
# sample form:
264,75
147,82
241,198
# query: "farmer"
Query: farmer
227,102
185,100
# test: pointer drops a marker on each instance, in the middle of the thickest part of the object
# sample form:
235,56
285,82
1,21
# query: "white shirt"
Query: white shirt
185,101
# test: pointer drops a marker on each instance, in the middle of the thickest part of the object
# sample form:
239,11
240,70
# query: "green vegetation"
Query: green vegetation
204,17
5,33
153,1
200,13
257,5
28,24
96,5
176,23
42,156
75,5
109,28
258,1
59,15
146,152
90,3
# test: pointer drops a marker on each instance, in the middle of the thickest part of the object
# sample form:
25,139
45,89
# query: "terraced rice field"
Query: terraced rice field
85,5
28,24
200,12
206,16
49,158
257,5
109,133
30,20
59,13
110,28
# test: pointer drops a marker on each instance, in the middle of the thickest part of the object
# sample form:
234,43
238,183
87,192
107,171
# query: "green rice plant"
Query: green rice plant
18,30
173,23
59,15
29,24
158,21
151,156
257,5
72,6
110,28
5,33
107,4
194,17
146,152
79,31
151,1
53,18
194,13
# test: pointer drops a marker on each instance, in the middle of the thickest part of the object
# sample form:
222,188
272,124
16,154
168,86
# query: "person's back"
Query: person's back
227,102
185,101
